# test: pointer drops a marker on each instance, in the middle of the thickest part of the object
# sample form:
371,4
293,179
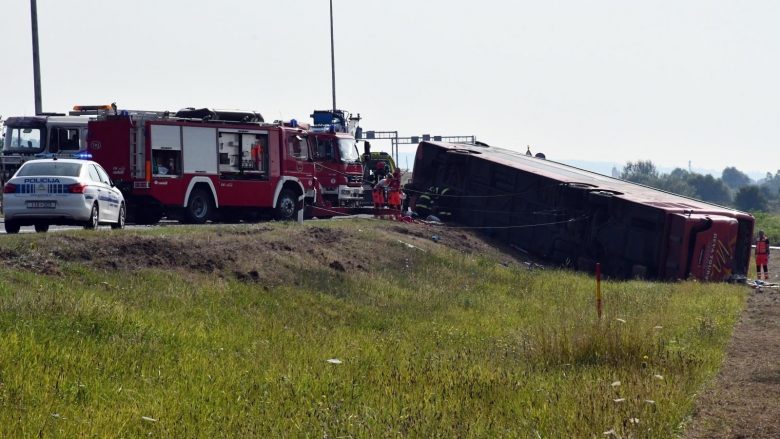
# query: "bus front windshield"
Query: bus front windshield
348,151
22,139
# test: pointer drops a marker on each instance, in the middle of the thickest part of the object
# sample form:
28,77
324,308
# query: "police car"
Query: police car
62,192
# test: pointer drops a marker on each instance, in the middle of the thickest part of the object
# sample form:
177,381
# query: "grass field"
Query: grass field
423,341
770,224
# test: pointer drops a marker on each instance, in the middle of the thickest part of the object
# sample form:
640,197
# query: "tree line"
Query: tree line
733,188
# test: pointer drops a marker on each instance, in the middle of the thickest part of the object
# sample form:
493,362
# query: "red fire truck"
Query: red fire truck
338,167
201,164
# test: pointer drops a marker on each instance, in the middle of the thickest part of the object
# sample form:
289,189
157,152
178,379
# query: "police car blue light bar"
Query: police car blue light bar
83,155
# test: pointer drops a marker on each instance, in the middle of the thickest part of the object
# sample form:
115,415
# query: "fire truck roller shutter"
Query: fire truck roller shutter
199,150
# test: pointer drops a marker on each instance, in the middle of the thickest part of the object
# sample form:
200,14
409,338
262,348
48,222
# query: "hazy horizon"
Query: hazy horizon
606,81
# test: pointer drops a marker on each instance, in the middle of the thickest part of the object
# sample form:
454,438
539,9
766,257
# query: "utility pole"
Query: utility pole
36,60
332,57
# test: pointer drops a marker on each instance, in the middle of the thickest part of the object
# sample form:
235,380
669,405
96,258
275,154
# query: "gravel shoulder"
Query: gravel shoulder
744,399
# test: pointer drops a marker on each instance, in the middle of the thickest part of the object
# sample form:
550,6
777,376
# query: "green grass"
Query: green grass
441,345
770,224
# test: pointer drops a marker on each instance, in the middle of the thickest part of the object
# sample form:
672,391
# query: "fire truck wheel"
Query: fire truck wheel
286,206
198,208
41,227
94,218
120,220
11,227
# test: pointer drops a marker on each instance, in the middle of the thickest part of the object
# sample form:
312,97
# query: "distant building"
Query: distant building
615,172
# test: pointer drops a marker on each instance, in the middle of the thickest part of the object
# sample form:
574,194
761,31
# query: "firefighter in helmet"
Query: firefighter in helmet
425,202
435,201
445,203
380,171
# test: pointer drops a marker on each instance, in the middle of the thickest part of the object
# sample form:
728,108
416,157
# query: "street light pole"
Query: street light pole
332,57
36,60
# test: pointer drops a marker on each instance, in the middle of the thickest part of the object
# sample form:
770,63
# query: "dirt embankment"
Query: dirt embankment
265,253
744,399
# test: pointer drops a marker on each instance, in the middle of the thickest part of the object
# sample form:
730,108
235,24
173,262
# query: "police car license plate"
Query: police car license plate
37,204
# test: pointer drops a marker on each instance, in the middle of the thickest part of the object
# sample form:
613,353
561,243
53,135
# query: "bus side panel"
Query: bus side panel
579,224
547,217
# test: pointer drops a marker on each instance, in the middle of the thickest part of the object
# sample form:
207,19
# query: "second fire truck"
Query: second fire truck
337,164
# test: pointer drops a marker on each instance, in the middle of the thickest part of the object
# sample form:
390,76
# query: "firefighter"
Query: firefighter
437,202
380,172
394,191
425,202
378,194
444,204
762,255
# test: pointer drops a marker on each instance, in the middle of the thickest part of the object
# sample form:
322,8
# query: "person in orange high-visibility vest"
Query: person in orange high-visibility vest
762,255
378,195
394,191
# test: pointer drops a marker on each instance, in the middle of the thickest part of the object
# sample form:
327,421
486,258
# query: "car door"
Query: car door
298,164
114,195
102,192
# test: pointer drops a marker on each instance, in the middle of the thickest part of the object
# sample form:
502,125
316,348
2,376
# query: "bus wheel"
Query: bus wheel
199,207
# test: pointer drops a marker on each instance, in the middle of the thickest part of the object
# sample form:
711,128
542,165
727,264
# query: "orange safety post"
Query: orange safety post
598,290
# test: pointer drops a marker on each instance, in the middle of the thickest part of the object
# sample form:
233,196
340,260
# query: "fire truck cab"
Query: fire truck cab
45,135
337,164
200,164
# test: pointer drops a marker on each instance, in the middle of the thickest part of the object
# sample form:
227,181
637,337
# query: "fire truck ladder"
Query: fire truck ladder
411,140
138,140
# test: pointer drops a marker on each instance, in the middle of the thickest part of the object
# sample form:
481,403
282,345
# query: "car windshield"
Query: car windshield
58,169
348,151
22,139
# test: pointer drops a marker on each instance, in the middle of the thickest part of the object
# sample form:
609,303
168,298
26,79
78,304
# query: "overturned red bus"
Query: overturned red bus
579,218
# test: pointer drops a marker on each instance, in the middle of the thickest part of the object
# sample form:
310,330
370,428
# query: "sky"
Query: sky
601,81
